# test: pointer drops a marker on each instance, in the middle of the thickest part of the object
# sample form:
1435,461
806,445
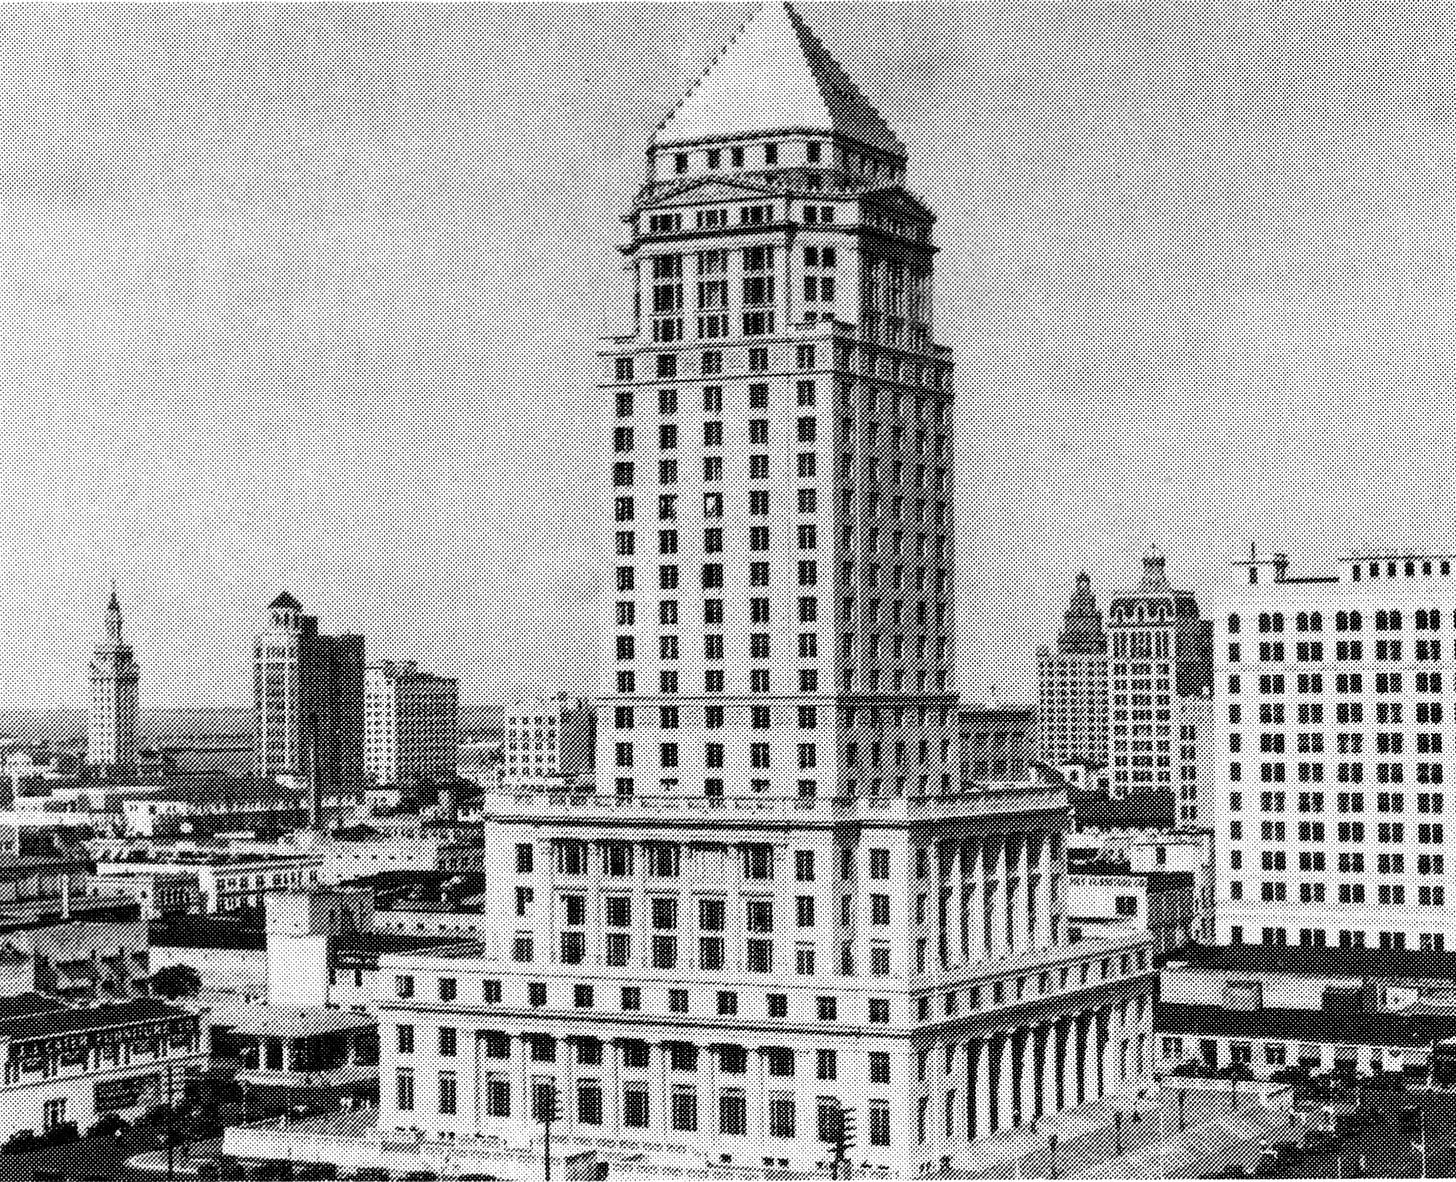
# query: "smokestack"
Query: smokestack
65,895
315,793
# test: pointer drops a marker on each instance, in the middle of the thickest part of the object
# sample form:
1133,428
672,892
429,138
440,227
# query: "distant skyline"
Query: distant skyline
307,298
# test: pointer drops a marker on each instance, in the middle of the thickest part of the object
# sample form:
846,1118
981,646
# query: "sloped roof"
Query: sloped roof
286,602
775,75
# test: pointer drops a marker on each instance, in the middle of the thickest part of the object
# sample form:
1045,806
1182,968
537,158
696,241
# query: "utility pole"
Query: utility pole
843,1139
546,1113
171,1130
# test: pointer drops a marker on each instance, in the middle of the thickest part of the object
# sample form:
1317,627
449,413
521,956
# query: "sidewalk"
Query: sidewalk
1088,1142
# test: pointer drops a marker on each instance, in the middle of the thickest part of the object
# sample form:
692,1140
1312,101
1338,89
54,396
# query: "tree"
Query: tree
176,980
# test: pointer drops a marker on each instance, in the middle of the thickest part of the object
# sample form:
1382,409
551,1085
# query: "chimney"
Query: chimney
65,895
315,793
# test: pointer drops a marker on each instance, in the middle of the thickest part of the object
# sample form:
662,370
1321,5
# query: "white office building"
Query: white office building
1159,680
549,743
782,902
1072,685
411,725
1331,793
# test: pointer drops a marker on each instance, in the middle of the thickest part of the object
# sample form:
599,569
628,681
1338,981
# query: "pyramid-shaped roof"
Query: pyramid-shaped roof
774,75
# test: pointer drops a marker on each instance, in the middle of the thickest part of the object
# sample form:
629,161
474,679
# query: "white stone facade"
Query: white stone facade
1330,776
411,725
549,743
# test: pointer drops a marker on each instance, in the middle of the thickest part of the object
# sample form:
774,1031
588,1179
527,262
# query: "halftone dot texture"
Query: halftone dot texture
307,297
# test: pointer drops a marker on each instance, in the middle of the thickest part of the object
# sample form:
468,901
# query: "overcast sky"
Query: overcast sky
308,296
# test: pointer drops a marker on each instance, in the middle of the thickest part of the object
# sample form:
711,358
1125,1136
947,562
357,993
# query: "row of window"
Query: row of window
635,1105
873,362
1391,682
1345,802
1422,619
1349,894
726,1003
1389,832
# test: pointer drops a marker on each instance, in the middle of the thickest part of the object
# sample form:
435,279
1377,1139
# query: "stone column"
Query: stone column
994,858
1030,1076
1089,1055
1109,1051
1077,1047
1018,1073
1010,890
612,1087
980,1088
950,1083
967,851
978,900
1006,1083
1047,1068
1066,1076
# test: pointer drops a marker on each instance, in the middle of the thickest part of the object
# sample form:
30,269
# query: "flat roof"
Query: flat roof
1384,1028
1159,881
1137,810
21,917
65,1021
22,866
27,1003
207,932
290,1021
1386,963
349,950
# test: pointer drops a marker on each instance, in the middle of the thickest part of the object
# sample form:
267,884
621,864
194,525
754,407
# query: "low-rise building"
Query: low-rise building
156,892
314,1047
362,850
92,950
1187,851
430,903
203,804
226,880
1112,899
1270,1007
75,1065
998,743
315,948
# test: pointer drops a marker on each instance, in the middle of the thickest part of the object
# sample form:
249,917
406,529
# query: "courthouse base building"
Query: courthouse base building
781,902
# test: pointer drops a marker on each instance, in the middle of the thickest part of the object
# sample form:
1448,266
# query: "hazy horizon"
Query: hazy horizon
307,298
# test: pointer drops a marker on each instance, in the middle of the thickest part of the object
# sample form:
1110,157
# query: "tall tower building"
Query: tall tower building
111,723
308,701
411,725
1072,685
781,898
1160,683
782,504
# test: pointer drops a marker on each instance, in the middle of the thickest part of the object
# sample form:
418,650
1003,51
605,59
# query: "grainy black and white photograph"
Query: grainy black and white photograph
727,590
